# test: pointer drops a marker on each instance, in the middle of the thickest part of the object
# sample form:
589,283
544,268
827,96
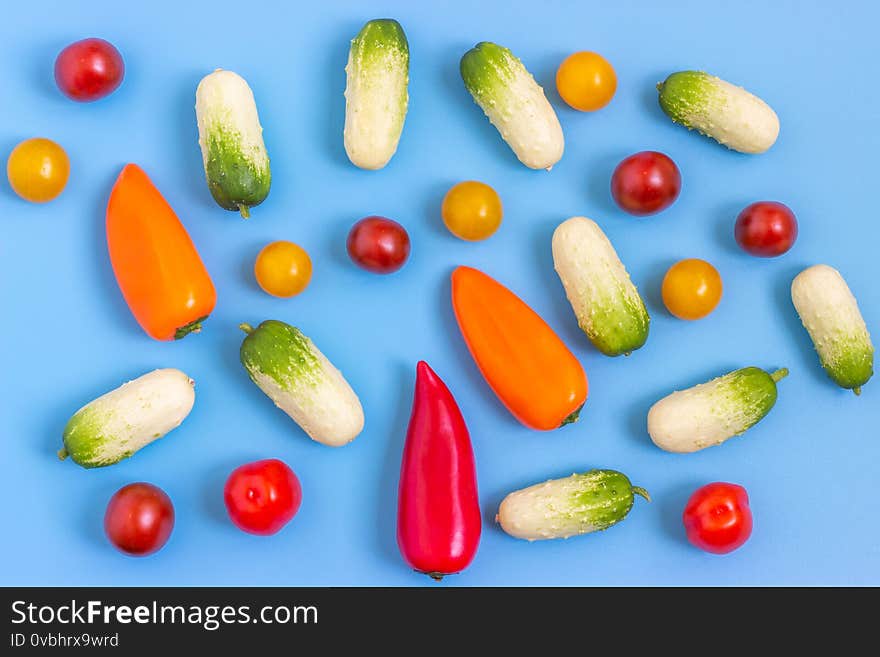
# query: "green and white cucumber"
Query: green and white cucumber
559,508
376,95
291,370
830,314
231,139
710,413
514,103
605,301
729,114
116,425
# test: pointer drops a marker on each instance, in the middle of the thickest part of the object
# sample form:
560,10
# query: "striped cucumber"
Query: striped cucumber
559,508
291,370
376,95
514,103
830,314
710,413
231,139
715,108
605,301
119,423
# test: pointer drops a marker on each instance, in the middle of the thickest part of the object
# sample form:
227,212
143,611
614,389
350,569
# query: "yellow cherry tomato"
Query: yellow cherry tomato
586,81
283,269
691,289
38,170
472,210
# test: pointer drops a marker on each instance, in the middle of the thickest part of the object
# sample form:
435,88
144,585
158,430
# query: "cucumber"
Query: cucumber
376,94
830,314
559,508
728,114
514,103
294,374
119,423
606,303
231,139
710,413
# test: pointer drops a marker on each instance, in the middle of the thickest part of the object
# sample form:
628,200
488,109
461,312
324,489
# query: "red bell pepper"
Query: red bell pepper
438,511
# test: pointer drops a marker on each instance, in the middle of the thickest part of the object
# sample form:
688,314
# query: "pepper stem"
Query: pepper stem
247,328
779,374
245,211
857,390
62,453
194,326
435,576
573,417
638,490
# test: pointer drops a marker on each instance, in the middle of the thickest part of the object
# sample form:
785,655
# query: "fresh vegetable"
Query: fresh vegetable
560,508
157,267
139,519
766,229
586,81
119,423
472,211
606,303
283,269
89,69
378,245
717,517
438,510
645,183
514,103
231,139
292,371
38,170
530,369
691,289
710,413
376,95
263,496
728,114
830,314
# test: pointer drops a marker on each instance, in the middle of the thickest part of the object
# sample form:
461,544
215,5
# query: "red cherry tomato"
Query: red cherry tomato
261,497
378,245
139,519
645,183
766,229
717,517
89,69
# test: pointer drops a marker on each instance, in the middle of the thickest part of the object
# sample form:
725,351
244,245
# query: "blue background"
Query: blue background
810,467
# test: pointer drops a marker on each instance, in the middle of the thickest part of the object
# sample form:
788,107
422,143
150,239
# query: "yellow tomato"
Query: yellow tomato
283,269
586,81
472,210
691,289
38,170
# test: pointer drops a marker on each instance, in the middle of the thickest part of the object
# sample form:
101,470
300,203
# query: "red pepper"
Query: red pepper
438,511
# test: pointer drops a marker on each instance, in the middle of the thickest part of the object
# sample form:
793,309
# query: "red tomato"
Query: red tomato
263,496
717,517
766,229
645,183
89,69
378,245
139,519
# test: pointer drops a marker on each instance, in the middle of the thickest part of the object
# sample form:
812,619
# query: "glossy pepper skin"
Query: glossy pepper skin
527,365
438,512
155,262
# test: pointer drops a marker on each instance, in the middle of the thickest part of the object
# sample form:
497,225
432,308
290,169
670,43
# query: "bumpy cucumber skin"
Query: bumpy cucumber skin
292,371
116,425
830,313
231,138
559,508
607,305
710,413
376,93
514,103
713,107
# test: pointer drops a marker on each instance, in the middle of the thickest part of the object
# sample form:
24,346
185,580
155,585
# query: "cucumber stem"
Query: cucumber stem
62,453
638,490
245,211
857,390
779,374
247,328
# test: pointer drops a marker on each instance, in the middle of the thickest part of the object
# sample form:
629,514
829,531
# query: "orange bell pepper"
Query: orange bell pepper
156,265
527,365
